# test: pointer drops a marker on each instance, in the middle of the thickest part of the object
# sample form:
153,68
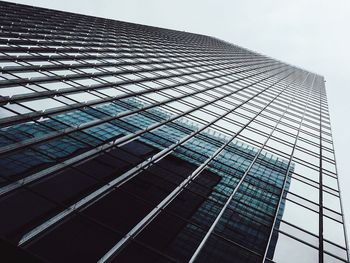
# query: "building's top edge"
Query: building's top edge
175,30
287,63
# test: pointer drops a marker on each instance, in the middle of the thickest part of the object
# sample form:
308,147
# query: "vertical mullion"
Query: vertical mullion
124,139
320,215
129,174
288,170
58,133
172,196
210,231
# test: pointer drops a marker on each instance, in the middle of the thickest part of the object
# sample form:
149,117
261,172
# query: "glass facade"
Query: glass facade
128,143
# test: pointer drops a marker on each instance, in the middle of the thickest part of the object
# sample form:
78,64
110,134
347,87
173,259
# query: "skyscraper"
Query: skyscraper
128,143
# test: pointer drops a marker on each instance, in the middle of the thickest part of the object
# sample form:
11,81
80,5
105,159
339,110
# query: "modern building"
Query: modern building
129,143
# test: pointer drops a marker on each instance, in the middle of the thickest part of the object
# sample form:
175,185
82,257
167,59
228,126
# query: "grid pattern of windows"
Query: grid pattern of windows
128,143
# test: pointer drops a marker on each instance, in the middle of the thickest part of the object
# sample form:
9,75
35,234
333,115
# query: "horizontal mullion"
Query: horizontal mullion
55,134
10,83
19,118
80,65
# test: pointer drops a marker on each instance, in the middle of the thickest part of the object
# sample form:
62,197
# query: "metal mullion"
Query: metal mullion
52,67
296,238
198,70
274,120
238,65
298,160
306,180
122,47
111,185
20,81
123,50
288,170
302,205
61,39
203,71
323,93
59,78
262,133
120,141
256,144
247,212
236,244
331,190
51,24
336,256
305,199
203,105
293,120
330,173
299,228
201,64
308,244
33,115
55,134
332,243
201,245
93,103
149,44
204,100
282,141
150,40
95,57
309,142
247,205
156,135
63,28
312,153
331,193
105,64
288,125
146,220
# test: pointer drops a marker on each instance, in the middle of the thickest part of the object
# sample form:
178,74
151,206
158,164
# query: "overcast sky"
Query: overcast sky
312,34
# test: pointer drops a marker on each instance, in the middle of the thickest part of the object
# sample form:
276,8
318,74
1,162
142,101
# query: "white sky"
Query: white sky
312,34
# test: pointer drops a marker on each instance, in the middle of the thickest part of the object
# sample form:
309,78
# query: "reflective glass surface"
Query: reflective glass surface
128,143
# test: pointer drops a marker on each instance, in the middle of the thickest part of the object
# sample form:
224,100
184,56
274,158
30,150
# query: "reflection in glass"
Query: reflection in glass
289,250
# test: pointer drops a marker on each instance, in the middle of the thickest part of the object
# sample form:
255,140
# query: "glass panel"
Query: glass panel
303,202
24,211
331,201
298,233
333,231
285,249
335,250
330,259
304,190
330,181
296,214
217,249
132,210
75,241
307,172
178,241
42,104
136,252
